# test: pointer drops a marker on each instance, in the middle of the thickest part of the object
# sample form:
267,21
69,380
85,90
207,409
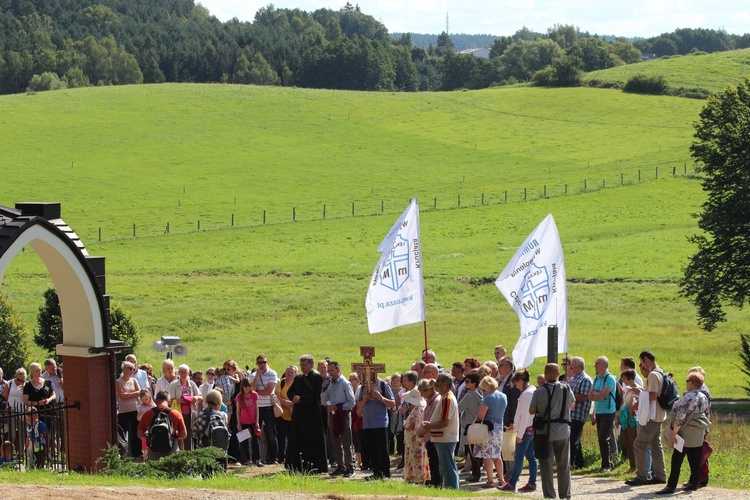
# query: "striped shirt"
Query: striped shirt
581,384
447,410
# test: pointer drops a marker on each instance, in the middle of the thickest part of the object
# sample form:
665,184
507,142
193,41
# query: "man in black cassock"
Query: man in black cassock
306,450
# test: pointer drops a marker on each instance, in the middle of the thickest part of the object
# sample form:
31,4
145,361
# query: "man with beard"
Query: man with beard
306,450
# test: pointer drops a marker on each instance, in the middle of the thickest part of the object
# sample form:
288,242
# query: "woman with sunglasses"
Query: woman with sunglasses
128,393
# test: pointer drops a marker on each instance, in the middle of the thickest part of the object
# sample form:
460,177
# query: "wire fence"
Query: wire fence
305,212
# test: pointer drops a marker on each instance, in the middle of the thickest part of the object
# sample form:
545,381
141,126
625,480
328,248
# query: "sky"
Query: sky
634,18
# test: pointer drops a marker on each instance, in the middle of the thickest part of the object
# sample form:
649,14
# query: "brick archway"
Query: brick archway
80,284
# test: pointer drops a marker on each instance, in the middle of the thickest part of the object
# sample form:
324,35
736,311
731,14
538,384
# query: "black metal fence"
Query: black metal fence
35,435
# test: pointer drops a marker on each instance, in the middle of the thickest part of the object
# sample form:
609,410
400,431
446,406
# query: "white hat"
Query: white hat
414,398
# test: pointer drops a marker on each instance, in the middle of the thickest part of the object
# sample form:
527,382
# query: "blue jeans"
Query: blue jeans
448,468
525,449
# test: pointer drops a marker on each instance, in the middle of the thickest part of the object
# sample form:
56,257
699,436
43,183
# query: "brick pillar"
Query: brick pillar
88,381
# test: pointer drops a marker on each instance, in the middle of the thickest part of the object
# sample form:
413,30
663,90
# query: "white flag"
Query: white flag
534,285
396,293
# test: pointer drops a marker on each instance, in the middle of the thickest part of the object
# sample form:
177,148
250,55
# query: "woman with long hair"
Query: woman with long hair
522,424
248,418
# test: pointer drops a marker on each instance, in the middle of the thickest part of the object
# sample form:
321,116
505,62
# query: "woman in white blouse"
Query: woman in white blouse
525,435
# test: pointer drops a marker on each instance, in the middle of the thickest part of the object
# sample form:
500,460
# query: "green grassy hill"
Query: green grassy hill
152,155
712,72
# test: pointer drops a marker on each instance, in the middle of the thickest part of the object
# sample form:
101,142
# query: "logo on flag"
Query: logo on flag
533,283
395,296
536,292
396,269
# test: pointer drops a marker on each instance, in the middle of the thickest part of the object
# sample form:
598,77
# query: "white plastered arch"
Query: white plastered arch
79,303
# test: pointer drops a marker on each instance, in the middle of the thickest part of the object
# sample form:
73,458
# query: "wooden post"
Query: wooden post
324,211
264,216
459,200
352,209
232,220
294,214
133,230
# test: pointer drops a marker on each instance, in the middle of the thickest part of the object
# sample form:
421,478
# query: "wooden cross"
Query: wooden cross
368,369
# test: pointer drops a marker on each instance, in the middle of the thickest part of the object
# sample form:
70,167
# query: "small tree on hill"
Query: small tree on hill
50,332
49,320
14,338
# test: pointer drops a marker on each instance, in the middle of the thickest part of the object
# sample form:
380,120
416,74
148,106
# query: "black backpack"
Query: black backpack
216,433
669,393
161,432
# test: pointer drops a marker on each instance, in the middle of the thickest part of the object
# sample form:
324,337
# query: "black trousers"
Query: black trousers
694,460
576,451
375,441
432,456
605,425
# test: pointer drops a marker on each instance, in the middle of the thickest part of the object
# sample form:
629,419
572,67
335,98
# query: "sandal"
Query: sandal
488,484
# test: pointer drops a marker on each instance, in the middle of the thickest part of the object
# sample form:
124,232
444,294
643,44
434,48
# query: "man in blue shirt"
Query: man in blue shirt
373,436
338,398
603,395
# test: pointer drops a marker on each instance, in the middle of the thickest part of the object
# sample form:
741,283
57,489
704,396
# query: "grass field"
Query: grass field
149,155
712,72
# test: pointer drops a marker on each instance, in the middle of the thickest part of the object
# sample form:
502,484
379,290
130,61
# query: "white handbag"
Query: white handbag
509,445
477,434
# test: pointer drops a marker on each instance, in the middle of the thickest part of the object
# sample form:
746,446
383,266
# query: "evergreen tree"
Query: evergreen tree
49,320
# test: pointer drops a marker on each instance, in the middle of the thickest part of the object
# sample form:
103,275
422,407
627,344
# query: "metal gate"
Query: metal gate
37,435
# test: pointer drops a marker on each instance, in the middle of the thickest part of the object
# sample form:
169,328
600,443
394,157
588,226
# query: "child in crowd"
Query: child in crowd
36,438
7,453
147,402
247,418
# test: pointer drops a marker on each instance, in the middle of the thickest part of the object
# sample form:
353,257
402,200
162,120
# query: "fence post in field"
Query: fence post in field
585,184
506,195
622,179
264,216
324,211
674,171
604,183
524,194
199,224
545,190
352,209
166,229
657,172
382,206
232,220
566,188
639,175
134,230
459,200
100,234
685,168
294,214
482,198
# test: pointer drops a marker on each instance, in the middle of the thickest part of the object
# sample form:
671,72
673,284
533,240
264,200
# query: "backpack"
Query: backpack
669,393
161,432
216,433
617,396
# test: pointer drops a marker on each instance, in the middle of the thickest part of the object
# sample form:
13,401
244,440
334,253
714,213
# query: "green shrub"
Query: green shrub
46,81
14,339
647,84
203,463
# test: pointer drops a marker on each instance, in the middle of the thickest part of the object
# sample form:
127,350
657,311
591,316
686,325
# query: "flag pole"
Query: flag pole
425,334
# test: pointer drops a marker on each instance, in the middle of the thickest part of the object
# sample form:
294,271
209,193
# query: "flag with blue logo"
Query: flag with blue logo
395,296
534,285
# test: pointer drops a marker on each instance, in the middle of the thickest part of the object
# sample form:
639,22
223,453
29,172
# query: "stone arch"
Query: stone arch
84,305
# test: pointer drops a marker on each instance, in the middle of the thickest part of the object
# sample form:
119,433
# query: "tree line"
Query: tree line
47,44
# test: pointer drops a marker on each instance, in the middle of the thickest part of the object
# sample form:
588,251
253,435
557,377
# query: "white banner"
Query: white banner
396,293
534,285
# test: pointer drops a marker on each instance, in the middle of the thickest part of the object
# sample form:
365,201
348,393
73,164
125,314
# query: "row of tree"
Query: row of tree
15,349
77,43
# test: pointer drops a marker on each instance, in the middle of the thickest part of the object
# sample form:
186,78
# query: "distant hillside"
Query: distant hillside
712,72
461,41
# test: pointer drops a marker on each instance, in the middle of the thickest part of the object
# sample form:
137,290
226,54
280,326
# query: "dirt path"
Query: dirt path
583,487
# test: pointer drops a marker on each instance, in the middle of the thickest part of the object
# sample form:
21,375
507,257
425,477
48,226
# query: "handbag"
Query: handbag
477,434
277,409
509,445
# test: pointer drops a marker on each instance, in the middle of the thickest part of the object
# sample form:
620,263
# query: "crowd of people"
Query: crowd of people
321,421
